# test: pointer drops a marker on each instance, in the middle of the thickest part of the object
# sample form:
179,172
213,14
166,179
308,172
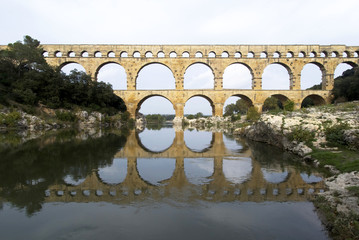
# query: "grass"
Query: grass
344,160
339,225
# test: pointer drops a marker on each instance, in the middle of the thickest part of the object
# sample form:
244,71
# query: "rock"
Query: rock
351,137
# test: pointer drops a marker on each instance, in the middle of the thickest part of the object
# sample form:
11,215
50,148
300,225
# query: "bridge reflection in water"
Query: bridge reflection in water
215,174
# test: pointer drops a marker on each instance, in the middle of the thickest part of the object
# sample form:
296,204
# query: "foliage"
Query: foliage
240,107
157,118
347,85
272,103
339,225
335,134
301,135
65,116
354,190
344,160
288,105
26,78
253,114
10,119
196,116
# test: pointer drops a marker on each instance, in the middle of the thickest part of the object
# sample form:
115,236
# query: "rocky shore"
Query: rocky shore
308,130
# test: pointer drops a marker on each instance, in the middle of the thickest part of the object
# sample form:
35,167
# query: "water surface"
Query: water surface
155,184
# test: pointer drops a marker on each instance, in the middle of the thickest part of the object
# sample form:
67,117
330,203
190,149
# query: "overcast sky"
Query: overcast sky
181,22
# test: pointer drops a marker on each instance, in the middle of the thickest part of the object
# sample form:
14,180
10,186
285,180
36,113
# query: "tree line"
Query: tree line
27,79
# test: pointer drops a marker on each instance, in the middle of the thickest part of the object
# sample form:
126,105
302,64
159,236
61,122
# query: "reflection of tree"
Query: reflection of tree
27,170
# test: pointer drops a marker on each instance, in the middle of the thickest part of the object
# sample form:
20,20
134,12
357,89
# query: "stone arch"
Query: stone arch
160,54
200,72
310,71
98,54
139,104
173,54
65,67
211,54
290,54
312,100
211,103
163,71
84,54
45,54
264,54
58,54
116,75
198,54
280,98
148,54
343,66
240,70
234,98
270,75
71,54
111,54
225,54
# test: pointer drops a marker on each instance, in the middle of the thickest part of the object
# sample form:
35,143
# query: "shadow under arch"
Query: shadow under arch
237,65
313,100
165,69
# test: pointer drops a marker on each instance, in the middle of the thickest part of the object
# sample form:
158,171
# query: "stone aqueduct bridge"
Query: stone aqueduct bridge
218,57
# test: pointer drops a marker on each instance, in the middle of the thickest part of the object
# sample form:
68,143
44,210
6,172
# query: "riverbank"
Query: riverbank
327,137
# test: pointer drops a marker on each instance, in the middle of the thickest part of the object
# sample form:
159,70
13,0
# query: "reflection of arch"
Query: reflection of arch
163,69
158,176
272,175
198,74
139,142
239,71
313,99
206,149
115,173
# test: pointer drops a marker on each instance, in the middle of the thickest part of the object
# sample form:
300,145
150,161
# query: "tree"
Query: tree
25,77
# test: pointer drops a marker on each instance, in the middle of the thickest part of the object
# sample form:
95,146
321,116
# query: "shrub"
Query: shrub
65,116
301,135
335,134
10,119
289,105
253,114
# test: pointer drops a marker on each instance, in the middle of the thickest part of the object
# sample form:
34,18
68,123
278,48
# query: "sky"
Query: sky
184,22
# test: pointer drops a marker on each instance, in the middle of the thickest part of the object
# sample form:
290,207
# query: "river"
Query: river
156,184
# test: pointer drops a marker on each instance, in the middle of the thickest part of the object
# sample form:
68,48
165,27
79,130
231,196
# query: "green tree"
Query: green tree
272,103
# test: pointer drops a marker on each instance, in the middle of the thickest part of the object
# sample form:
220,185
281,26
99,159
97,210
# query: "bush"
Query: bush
335,134
288,105
301,135
10,119
253,114
65,116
